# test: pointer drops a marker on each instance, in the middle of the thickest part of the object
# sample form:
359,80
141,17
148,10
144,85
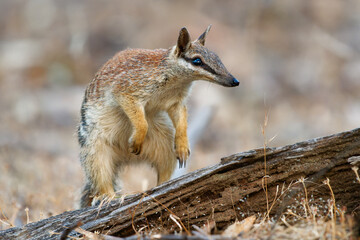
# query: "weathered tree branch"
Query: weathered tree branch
223,192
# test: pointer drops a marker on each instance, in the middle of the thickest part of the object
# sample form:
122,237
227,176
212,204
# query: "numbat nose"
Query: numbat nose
234,82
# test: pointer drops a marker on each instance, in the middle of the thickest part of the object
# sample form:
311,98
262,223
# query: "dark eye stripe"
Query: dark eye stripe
203,66
208,68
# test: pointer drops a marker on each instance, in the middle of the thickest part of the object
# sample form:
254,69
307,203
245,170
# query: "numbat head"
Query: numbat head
197,62
134,110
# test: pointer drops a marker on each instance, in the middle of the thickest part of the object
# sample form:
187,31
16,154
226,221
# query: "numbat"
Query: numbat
134,110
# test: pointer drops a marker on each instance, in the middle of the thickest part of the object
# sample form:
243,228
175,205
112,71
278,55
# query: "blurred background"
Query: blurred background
297,61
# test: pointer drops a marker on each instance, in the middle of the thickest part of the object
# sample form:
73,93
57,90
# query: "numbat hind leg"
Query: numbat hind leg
100,173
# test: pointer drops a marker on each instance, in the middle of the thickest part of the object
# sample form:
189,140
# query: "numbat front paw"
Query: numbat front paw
135,147
182,154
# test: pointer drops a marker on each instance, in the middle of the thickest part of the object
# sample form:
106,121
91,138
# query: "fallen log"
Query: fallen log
232,189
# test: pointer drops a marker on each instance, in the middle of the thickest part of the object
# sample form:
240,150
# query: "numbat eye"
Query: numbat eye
197,61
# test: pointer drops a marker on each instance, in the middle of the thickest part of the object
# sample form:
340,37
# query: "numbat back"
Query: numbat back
134,111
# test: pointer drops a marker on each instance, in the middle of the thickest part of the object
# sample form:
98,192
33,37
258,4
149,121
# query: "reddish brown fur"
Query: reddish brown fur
122,65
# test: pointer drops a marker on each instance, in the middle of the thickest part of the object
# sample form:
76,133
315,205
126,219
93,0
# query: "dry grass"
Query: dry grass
306,218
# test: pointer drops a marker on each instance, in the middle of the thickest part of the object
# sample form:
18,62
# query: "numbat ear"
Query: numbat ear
183,43
202,37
